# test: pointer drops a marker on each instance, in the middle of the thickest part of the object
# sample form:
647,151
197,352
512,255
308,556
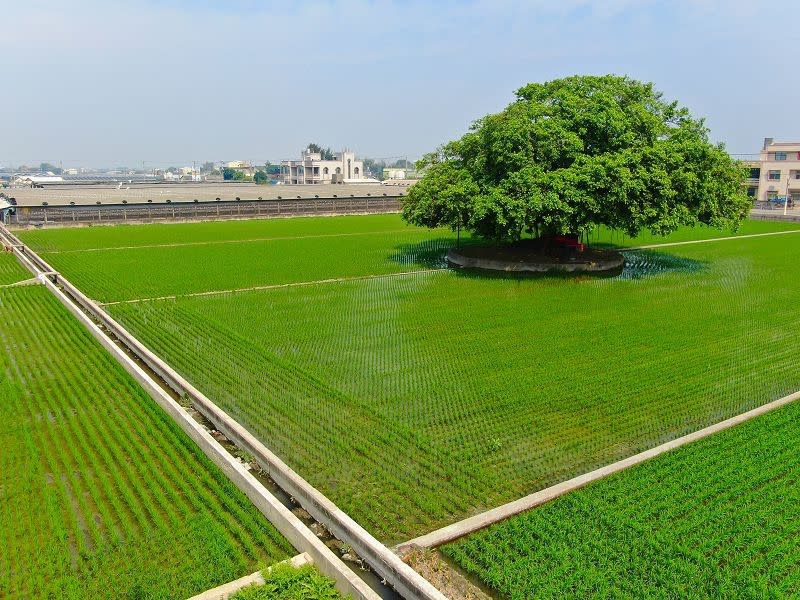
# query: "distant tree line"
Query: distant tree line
46,167
325,153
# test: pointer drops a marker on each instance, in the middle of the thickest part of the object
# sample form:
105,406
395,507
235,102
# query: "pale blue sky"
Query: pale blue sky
99,83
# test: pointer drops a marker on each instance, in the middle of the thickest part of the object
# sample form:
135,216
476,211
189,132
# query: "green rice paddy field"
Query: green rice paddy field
11,271
719,518
413,395
101,494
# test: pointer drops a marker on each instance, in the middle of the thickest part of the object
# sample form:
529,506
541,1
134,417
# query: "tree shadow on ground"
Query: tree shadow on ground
647,263
429,254
639,264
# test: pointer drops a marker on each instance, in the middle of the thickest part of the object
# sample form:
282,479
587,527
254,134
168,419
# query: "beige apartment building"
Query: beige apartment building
776,175
243,166
311,169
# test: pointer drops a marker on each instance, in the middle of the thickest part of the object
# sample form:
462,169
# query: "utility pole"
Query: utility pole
786,199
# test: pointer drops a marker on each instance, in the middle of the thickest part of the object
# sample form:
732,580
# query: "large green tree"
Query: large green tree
575,153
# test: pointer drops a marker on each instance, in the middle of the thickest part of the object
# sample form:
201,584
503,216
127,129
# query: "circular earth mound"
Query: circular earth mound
536,256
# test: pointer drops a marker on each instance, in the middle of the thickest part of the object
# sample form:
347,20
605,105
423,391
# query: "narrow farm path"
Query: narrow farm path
255,288
31,281
719,239
222,242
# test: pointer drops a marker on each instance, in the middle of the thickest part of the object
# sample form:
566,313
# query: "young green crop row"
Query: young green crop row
101,494
10,269
717,519
417,400
222,232
212,232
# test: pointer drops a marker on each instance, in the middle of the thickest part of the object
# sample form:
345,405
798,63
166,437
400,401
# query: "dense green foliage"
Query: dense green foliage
10,269
284,582
325,153
408,422
101,493
574,153
717,519
47,167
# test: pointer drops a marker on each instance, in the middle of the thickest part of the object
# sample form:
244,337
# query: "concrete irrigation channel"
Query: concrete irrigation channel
388,565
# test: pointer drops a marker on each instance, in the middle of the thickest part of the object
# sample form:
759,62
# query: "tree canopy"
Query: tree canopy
50,168
374,168
229,174
575,153
325,153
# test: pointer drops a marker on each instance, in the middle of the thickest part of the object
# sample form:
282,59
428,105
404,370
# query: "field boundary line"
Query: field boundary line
226,590
719,239
222,242
480,521
275,286
30,281
407,582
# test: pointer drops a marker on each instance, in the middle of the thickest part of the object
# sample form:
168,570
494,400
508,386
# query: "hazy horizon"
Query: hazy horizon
109,84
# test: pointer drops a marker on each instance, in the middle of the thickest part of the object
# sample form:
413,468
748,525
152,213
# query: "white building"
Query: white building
400,173
344,168
35,180
776,176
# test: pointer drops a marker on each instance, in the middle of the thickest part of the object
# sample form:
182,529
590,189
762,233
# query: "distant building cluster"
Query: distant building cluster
316,165
775,175
399,173
244,167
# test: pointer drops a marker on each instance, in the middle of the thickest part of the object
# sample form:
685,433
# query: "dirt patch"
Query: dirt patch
430,564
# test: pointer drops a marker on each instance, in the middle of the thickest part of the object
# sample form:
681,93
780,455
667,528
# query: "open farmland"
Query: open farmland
102,495
418,399
719,518
113,264
176,259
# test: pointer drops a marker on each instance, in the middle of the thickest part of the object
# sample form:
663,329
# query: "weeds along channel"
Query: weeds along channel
102,494
422,395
